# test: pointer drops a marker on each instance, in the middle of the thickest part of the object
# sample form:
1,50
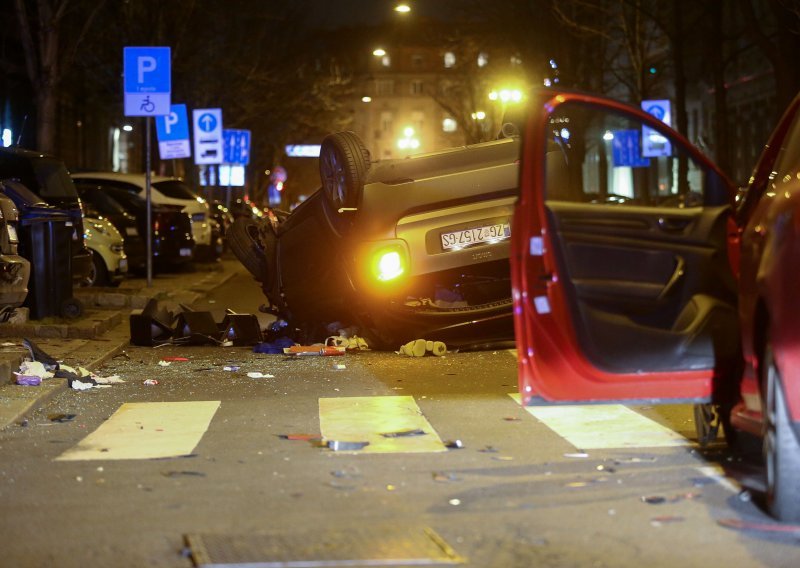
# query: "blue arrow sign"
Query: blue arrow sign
147,79
237,146
627,151
208,146
207,122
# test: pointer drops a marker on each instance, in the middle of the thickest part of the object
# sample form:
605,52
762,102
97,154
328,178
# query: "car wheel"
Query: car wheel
246,239
343,165
781,448
71,308
98,273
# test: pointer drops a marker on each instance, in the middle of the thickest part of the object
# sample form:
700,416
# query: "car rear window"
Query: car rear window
53,178
175,189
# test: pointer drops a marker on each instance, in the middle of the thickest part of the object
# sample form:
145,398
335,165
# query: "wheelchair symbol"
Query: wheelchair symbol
147,105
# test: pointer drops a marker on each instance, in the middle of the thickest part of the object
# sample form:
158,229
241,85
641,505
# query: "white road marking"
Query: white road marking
718,474
146,430
604,426
367,418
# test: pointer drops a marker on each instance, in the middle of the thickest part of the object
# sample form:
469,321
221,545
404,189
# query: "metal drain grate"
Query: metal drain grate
361,547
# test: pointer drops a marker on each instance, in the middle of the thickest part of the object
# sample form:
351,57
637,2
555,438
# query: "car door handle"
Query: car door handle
673,224
677,275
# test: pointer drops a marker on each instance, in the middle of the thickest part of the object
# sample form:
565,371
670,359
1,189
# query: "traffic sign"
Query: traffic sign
208,147
654,144
237,146
173,134
626,150
147,80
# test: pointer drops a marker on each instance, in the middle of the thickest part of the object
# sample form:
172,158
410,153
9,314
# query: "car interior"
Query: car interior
640,239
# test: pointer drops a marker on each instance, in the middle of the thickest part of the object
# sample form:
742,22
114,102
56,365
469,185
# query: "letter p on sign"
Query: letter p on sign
144,64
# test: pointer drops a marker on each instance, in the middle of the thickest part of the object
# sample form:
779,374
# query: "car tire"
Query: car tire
247,243
71,308
781,448
98,273
343,165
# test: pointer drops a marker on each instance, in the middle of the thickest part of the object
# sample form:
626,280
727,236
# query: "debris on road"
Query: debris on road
404,433
163,363
231,368
666,519
40,356
340,446
61,417
183,473
454,445
776,527
421,347
275,347
304,437
339,367
174,358
150,382
318,349
576,455
28,380
354,343
260,375
445,477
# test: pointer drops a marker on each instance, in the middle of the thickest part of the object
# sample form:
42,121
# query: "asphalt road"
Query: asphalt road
619,488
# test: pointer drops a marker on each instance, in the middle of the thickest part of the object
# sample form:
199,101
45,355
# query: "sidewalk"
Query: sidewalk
99,334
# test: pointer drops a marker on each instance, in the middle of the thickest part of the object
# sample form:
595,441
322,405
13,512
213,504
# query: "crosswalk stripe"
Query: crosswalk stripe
146,430
371,418
604,426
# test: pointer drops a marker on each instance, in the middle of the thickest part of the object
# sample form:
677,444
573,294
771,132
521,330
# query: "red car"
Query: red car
639,277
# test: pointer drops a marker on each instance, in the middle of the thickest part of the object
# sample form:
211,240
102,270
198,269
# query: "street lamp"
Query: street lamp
379,52
506,95
408,141
402,8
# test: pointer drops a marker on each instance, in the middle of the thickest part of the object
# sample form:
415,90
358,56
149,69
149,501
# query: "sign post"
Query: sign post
147,80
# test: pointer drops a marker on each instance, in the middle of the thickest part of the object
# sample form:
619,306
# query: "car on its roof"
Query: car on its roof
639,277
404,248
165,191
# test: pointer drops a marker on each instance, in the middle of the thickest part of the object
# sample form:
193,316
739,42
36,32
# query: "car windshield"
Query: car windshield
175,189
53,178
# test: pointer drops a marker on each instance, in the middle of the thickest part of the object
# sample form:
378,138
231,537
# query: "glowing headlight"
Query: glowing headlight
388,265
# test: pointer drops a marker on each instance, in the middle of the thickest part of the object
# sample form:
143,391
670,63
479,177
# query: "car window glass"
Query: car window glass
175,189
788,161
53,178
596,156
101,201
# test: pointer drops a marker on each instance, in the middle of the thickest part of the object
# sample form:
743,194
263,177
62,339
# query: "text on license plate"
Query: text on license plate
467,237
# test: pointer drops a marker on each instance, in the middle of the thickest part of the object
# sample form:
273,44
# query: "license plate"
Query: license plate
123,265
131,231
487,234
186,252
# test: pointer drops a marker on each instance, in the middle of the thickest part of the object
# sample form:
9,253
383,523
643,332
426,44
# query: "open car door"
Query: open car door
623,284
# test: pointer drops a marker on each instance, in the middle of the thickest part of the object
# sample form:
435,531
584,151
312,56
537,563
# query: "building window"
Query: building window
418,121
483,59
417,87
449,59
384,87
386,61
449,125
516,60
387,121
417,61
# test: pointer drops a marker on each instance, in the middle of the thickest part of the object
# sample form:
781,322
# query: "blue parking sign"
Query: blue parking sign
172,131
147,79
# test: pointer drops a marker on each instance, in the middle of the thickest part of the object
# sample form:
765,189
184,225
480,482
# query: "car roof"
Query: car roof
138,179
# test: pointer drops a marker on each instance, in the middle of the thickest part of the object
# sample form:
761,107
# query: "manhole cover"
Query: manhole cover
362,547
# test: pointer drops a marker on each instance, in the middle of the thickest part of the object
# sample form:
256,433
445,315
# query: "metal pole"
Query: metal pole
149,205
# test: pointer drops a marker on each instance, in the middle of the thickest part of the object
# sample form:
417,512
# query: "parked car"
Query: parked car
404,249
15,270
109,262
165,191
636,277
172,244
47,177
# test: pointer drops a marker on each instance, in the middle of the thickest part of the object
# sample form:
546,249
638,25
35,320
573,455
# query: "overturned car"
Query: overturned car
401,248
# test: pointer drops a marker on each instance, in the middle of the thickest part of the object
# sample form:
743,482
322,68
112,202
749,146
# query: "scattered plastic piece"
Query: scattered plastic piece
740,524
512,419
164,363
273,348
34,368
455,502
454,445
339,367
260,375
175,359
38,355
306,350
112,380
339,446
150,382
306,437
576,455
666,519
60,417
404,433
444,477
28,380
419,347
654,499
488,450
184,473
231,368
353,343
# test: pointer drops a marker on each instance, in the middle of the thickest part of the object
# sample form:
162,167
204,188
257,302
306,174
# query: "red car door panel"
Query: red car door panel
622,284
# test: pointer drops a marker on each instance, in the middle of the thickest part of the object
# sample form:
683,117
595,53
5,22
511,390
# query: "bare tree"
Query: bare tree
50,52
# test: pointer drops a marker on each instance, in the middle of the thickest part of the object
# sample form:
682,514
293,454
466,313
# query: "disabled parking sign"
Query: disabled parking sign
147,78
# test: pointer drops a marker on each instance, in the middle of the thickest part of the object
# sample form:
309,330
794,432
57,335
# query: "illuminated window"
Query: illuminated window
483,59
386,61
449,59
417,87
516,60
449,125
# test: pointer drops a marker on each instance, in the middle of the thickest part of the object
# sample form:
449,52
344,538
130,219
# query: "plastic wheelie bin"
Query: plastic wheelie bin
45,240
